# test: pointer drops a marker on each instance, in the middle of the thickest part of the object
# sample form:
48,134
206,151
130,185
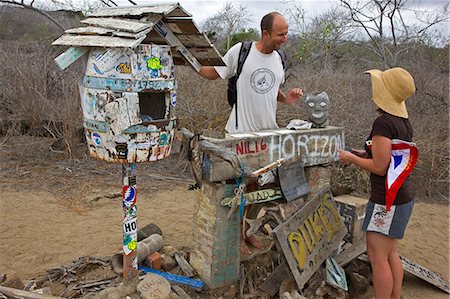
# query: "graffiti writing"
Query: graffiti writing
324,222
315,146
250,147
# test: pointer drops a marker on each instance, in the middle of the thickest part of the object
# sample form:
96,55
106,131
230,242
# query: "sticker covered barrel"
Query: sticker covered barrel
128,98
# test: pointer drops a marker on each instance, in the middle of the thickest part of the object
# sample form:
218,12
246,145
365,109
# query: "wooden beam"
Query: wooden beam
15,293
173,41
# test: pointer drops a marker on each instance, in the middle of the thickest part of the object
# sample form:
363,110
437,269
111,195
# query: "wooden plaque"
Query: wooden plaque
310,235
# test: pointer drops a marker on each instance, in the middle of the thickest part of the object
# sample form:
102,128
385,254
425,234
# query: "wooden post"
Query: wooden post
129,195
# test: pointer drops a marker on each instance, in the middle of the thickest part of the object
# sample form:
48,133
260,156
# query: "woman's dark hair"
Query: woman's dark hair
267,21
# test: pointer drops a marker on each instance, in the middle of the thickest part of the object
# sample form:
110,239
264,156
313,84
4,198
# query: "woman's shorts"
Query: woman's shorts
392,223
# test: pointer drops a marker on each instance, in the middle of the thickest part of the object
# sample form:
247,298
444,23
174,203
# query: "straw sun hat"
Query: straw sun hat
390,90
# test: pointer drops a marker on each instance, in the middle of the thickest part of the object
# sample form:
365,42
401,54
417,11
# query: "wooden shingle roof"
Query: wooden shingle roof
130,26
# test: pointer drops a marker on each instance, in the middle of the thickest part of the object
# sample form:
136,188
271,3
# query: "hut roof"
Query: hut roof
130,26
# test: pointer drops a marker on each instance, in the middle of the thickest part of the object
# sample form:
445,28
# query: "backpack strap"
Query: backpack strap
283,58
243,54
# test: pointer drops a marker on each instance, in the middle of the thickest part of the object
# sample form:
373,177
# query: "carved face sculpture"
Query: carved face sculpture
317,107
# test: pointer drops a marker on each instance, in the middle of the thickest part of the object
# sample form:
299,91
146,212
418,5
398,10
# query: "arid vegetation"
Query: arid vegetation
36,98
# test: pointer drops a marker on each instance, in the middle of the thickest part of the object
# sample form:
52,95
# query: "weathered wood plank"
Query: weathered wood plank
425,274
310,235
182,26
259,196
173,41
258,149
194,40
170,10
15,293
351,253
70,56
92,30
97,41
419,271
118,24
184,265
353,210
272,283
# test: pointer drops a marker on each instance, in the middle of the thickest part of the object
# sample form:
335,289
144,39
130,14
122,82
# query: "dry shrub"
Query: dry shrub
202,104
36,97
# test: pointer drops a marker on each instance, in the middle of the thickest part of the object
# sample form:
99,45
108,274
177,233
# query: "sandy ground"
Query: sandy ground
49,217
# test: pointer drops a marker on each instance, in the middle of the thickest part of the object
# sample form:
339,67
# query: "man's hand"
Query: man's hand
292,96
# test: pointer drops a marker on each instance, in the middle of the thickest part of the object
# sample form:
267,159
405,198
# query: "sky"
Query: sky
201,10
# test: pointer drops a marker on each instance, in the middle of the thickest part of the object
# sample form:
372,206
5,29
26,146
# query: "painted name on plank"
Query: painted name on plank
292,146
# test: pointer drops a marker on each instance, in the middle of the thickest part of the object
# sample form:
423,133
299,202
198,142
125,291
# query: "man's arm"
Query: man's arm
292,96
208,72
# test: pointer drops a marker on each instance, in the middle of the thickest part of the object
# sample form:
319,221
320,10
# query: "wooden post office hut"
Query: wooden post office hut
129,91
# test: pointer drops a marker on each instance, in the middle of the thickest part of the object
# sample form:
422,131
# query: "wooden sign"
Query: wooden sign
69,57
258,196
258,149
310,235
292,180
425,274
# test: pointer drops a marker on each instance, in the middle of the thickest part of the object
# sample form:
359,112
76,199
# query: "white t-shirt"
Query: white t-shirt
257,89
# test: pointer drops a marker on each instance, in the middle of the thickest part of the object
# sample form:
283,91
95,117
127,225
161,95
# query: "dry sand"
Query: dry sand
43,227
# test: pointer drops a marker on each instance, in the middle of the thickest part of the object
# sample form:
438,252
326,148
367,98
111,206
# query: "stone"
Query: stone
168,263
153,286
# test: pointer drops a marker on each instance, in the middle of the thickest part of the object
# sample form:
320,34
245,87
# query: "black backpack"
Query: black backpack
232,90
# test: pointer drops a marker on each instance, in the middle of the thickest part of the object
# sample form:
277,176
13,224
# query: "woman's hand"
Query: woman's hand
359,153
345,157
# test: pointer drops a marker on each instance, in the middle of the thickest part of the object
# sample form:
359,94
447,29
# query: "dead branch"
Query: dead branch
31,7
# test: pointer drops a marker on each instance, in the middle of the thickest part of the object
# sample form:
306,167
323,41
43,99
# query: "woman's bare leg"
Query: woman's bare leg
397,271
378,248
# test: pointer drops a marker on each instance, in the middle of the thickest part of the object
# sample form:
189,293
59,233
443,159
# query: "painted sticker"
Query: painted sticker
173,99
130,213
163,139
129,243
122,150
130,226
154,63
123,68
96,138
128,196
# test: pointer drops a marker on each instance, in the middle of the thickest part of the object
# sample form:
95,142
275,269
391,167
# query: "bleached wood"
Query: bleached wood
97,41
92,30
118,24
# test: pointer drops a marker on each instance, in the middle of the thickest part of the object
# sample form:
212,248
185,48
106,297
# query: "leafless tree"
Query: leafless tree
317,39
390,33
228,21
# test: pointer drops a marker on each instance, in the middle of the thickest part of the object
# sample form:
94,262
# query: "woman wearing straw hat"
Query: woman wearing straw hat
390,156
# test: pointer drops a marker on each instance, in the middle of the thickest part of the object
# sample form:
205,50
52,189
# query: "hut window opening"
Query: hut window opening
152,106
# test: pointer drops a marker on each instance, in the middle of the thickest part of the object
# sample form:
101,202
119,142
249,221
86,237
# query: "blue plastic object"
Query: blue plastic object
195,283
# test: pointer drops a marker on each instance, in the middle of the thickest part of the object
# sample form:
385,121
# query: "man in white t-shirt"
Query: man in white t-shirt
258,86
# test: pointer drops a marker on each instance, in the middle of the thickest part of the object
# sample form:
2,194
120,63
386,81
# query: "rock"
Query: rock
14,282
154,286
358,284
170,250
168,262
